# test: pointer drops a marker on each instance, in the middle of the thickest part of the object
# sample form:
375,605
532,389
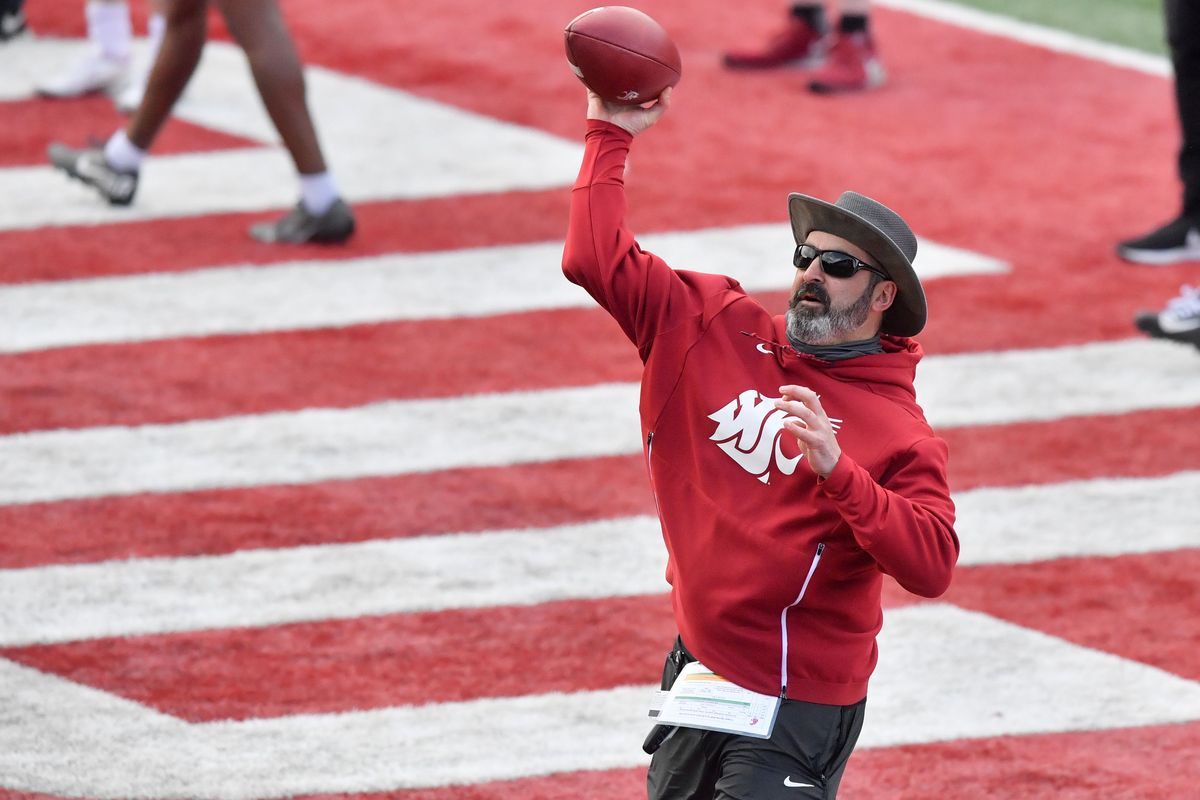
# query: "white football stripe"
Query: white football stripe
368,161
947,673
490,280
265,587
51,722
405,436
626,557
1009,386
1101,517
319,444
944,673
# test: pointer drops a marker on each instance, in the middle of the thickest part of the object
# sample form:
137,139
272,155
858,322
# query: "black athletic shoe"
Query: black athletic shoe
1177,241
299,226
90,166
1179,321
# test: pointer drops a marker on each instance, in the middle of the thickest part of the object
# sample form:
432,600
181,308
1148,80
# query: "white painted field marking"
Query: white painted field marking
317,444
458,283
991,680
50,725
411,148
405,436
1037,35
1099,517
1009,386
252,588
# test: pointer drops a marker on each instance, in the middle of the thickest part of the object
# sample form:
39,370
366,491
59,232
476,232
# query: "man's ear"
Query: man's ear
885,295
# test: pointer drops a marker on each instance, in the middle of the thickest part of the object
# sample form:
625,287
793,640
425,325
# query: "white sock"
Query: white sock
109,29
318,192
122,154
156,26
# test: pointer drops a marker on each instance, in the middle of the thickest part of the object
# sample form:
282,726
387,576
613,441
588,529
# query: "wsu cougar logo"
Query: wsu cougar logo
749,429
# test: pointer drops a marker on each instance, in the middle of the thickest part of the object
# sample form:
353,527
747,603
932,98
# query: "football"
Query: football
622,54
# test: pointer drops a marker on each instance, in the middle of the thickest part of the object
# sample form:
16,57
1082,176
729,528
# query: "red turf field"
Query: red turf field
1039,159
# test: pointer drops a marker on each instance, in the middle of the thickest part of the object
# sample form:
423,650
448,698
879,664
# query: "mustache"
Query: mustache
810,291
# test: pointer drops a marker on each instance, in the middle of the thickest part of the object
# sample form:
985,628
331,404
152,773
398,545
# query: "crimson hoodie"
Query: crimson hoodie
775,573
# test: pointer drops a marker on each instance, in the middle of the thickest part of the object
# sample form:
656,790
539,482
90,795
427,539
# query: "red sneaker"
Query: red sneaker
851,65
797,45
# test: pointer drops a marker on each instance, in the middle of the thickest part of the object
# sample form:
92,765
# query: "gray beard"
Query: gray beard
827,325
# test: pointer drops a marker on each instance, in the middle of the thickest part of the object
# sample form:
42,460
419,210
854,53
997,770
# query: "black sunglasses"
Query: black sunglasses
835,263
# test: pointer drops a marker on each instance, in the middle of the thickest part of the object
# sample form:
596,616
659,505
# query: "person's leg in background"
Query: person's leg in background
105,65
113,170
258,27
184,35
851,62
156,26
1179,239
845,57
799,43
321,215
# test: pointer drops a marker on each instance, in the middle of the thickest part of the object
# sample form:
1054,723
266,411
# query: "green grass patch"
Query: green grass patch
1131,23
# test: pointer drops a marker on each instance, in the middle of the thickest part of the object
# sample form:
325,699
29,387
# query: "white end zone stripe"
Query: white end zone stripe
369,162
386,438
50,723
475,282
254,588
1010,386
405,436
625,557
1100,517
944,673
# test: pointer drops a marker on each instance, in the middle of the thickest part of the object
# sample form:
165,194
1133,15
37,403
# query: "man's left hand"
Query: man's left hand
812,428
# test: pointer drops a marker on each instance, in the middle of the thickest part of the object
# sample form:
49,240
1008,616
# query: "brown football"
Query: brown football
622,54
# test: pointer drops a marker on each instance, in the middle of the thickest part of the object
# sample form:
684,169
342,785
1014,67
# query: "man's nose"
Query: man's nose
815,271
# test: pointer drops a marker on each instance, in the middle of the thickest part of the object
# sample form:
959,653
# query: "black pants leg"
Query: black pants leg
1183,37
803,760
686,766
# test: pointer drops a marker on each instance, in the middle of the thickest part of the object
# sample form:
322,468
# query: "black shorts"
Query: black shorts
803,760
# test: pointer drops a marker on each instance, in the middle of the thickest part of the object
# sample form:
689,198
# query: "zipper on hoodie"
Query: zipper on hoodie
650,472
783,620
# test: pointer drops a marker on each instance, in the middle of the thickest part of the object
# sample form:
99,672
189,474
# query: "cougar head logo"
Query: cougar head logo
750,430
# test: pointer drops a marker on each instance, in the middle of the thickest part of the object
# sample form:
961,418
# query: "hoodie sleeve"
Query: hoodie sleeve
905,521
637,288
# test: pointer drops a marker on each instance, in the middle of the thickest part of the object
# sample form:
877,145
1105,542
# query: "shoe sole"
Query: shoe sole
829,88
264,232
876,77
1150,326
1157,258
112,201
1193,340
